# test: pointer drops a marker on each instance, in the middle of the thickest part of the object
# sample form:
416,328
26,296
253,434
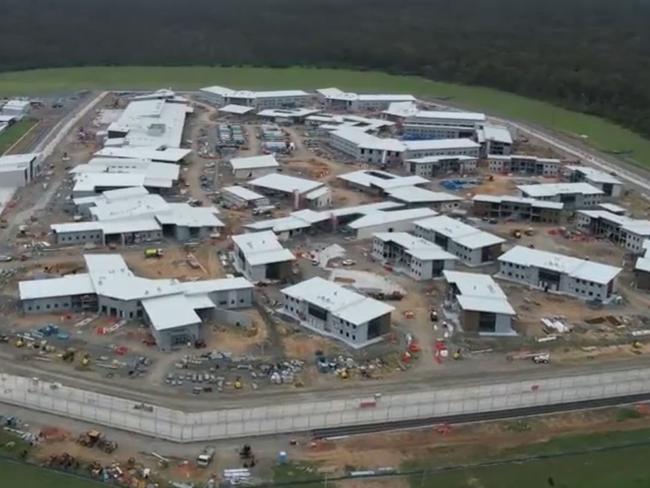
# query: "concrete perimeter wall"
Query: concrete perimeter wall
294,416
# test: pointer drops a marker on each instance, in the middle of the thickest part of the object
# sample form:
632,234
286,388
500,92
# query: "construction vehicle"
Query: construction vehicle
516,233
68,356
89,438
85,360
247,456
153,253
204,459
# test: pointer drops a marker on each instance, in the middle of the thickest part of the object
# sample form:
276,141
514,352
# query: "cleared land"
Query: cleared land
10,136
602,134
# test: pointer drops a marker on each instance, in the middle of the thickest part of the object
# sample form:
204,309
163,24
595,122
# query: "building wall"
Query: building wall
15,178
167,339
47,305
126,309
79,238
642,279
422,153
323,201
184,234
401,226
233,298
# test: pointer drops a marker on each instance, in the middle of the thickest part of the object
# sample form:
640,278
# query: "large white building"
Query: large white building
132,215
411,255
221,95
480,304
558,273
304,192
517,208
335,99
17,170
173,310
157,155
379,182
362,146
152,122
259,256
572,195
388,221
523,164
329,309
611,186
473,246
253,166
240,197
625,231
431,166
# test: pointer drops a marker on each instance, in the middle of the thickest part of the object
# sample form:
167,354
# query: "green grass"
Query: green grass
9,136
13,474
602,134
298,472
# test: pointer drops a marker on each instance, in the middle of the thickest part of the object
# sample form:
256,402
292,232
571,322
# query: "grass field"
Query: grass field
602,134
9,136
17,475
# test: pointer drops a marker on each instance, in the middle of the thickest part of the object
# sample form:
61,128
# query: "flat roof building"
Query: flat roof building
518,208
431,166
173,310
411,255
240,197
259,256
157,176
611,186
642,268
18,170
314,193
388,221
473,246
523,164
160,155
413,196
572,195
478,304
221,95
380,182
335,99
254,166
626,231
558,273
329,309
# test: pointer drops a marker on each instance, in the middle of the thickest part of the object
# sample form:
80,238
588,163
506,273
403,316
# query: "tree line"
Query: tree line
588,55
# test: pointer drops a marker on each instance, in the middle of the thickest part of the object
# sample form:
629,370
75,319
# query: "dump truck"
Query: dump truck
153,253
204,459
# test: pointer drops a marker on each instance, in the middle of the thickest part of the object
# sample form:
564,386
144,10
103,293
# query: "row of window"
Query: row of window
47,306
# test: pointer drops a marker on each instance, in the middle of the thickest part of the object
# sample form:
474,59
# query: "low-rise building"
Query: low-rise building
411,255
523,165
574,196
287,115
221,95
388,221
517,208
558,273
304,192
254,166
173,310
240,197
432,166
480,304
16,107
625,231
642,268
611,186
259,256
414,196
329,309
379,182
494,139
159,177
157,155
335,99
18,170
473,246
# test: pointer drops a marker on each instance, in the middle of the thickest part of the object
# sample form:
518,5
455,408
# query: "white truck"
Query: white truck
204,459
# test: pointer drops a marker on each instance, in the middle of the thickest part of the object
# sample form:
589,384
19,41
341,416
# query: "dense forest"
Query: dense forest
589,55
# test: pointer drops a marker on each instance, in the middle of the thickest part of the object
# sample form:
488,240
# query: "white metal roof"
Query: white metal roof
387,217
137,206
414,194
574,267
236,109
611,207
287,112
169,312
317,193
359,136
401,109
249,94
254,162
242,192
89,182
108,227
479,292
440,144
459,232
520,200
77,284
262,248
17,159
285,183
339,301
594,175
639,227
184,215
381,179
643,264
170,154
433,115
437,159
553,189
497,133
336,94
416,246
211,286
